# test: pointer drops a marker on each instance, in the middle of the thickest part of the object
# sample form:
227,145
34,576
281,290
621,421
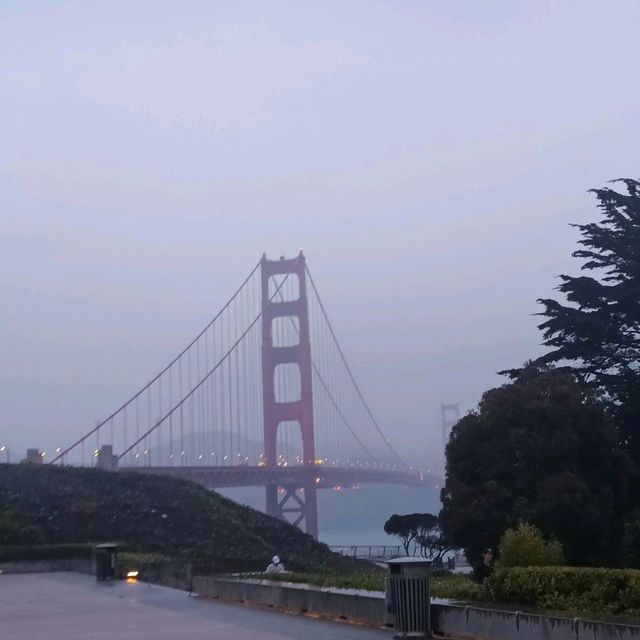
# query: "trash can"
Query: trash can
410,597
104,557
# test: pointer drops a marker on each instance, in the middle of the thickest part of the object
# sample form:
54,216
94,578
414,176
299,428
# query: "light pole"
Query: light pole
4,449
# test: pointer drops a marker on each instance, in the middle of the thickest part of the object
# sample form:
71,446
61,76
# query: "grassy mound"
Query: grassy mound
47,505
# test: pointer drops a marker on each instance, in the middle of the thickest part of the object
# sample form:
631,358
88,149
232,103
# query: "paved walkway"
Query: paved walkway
71,606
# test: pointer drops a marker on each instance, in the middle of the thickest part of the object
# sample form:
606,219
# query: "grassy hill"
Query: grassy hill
43,505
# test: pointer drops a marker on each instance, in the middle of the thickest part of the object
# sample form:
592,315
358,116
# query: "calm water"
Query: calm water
350,537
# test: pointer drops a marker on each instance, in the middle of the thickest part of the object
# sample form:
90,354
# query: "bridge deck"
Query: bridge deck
321,476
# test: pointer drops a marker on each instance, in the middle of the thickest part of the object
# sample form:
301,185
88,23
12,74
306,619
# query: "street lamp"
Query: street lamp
4,449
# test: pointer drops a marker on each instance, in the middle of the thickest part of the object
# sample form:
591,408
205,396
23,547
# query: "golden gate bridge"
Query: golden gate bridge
262,396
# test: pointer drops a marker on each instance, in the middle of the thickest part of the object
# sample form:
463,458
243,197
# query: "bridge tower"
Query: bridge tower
298,501
450,416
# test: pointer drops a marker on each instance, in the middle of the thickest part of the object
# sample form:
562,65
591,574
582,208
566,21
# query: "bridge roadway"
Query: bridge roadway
323,477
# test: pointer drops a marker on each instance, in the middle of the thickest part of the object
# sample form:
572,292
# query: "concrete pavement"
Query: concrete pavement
71,606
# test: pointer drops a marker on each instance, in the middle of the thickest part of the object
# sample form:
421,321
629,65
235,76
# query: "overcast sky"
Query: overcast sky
426,155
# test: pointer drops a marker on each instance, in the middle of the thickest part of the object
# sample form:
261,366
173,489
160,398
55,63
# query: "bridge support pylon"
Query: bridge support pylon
299,501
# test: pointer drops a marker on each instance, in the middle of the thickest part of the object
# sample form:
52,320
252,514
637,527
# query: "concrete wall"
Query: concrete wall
476,622
345,604
446,619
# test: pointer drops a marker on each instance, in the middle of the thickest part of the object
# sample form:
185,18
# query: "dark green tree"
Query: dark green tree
412,528
596,332
539,449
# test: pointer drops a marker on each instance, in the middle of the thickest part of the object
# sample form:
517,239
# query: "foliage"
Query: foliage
538,449
154,514
629,548
370,580
432,544
405,527
597,334
577,589
455,587
14,530
420,529
525,546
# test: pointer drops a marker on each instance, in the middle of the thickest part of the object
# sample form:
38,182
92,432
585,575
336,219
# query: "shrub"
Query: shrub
577,589
372,580
455,587
525,546
15,530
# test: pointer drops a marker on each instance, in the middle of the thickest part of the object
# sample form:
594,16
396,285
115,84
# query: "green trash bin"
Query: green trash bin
410,597
105,559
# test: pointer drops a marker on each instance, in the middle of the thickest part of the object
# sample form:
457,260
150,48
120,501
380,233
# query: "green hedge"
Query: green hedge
457,587
369,580
578,589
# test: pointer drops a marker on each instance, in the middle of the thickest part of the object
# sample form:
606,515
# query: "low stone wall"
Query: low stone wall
346,604
447,619
79,565
477,622
174,574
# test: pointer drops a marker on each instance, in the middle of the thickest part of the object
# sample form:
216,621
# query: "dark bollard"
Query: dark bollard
104,558
410,597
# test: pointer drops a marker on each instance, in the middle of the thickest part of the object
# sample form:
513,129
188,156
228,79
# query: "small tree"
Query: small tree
525,546
432,542
404,527
422,530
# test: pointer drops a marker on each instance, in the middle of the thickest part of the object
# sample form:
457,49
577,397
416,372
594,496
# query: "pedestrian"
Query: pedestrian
485,568
276,566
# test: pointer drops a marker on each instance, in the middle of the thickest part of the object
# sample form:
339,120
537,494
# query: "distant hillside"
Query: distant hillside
53,505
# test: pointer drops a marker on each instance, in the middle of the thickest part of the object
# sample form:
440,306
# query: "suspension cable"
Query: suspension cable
206,377
349,372
329,394
141,391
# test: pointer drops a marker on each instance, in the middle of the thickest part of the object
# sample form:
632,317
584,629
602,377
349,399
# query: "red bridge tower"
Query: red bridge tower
299,501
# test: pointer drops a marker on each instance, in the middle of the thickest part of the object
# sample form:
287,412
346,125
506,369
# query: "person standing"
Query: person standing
276,566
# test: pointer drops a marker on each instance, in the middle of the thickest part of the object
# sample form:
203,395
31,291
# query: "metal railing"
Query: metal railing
368,551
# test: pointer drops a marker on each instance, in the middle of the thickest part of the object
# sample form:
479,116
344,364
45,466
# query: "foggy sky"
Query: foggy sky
427,156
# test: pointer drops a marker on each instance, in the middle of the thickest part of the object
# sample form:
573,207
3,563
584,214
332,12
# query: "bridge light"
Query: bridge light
58,450
182,453
224,458
146,451
200,457
137,455
318,480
